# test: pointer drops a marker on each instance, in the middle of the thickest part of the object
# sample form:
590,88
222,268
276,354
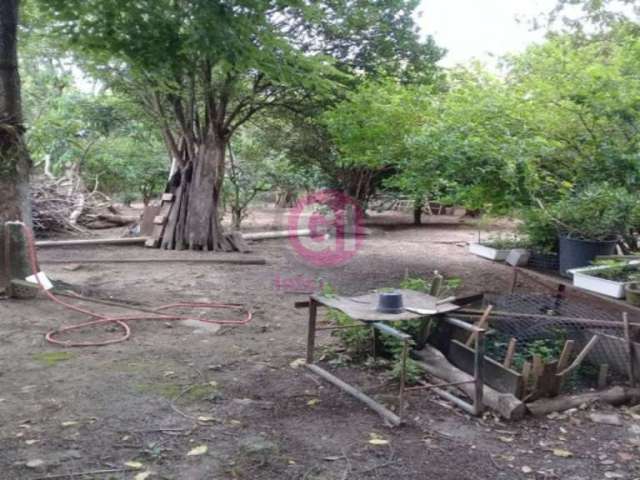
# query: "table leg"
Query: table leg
311,333
478,373
403,376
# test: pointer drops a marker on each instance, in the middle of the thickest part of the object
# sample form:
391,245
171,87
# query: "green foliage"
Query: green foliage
505,242
96,134
598,212
540,230
549,347
584,97
617,271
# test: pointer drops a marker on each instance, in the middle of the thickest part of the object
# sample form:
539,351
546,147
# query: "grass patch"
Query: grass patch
196,393
50,359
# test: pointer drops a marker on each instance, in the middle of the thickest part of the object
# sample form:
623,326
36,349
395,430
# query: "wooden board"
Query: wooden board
158,228
496,376
149,213
363,307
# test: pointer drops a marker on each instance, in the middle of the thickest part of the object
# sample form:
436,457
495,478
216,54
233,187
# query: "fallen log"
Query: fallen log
92,241
435,363
613,396
218,260
280,234
118,220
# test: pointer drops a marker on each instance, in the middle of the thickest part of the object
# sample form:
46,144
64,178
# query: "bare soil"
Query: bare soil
174,387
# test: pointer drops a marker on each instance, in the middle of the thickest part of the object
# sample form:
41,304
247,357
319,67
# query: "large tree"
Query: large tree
14,160
205,67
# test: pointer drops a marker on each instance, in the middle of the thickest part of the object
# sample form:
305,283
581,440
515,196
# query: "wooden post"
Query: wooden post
602,376
403,377
511,350
436,285
629,348
563,361
478,374
526,374
537,369
311,334
481,324
514,280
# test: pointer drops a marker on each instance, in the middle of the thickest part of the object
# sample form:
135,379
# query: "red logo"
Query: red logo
334,224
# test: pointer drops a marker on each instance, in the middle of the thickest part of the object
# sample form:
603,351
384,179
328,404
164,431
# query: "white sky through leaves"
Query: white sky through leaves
478,28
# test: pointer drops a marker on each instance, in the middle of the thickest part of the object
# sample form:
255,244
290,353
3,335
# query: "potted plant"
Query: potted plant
607,278
632,293
542,235
589,224
496,248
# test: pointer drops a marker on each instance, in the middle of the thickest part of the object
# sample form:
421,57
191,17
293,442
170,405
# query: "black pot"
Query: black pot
390,303
543,261
575,253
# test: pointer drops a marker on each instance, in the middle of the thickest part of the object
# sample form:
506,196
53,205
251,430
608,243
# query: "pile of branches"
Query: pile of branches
64,205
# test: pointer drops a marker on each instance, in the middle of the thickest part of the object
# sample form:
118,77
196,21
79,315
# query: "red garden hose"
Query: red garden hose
121,321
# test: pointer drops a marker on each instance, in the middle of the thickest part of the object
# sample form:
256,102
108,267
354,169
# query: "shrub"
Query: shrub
598,212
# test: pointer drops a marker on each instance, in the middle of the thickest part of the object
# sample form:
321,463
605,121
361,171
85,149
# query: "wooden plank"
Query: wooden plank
495,375
581,356
363,307
546,382
526,378
563,361
511,350
159,228
148,214
482,323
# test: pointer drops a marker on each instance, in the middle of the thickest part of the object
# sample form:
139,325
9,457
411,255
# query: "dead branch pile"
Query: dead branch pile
64,205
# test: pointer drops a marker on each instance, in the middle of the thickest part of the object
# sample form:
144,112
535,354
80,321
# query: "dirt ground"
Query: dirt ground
174,388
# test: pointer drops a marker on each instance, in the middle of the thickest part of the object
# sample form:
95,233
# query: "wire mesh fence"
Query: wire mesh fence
542,319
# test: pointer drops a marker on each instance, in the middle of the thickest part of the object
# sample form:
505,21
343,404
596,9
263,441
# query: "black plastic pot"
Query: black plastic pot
390,302
543,261
575,253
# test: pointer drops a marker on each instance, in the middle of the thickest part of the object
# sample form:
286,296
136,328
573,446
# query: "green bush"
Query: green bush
598,212
540,230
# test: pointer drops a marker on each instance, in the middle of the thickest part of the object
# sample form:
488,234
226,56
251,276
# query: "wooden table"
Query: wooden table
363,309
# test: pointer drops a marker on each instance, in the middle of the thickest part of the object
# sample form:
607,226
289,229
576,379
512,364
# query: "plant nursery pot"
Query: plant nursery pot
390,302
632,293
576,253
488,252
585,278
543,261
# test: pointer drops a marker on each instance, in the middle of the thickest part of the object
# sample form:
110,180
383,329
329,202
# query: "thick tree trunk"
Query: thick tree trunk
194,221
285,198
14,160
